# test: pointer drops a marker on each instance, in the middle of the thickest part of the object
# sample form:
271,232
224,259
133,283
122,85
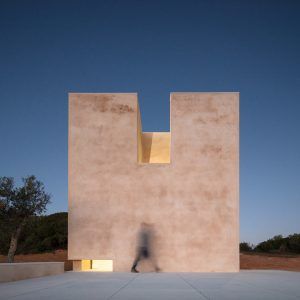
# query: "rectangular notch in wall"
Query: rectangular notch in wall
100,265
153,147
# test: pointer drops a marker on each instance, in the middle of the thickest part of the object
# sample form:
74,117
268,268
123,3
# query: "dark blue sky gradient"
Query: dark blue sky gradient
50,48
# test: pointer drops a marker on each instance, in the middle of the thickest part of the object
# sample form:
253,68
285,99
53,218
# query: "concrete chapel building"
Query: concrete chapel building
184,182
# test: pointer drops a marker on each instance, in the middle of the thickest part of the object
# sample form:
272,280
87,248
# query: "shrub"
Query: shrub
40,234
245,247
280,244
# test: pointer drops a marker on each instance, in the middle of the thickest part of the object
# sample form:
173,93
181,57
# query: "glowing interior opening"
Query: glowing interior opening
102,265
153,147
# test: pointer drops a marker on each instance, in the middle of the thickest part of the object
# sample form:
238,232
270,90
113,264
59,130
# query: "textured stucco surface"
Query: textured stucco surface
193,202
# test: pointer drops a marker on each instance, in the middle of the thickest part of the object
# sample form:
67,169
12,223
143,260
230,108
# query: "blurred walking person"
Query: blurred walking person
145,247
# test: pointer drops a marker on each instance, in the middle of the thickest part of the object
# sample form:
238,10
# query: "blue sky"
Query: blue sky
50,48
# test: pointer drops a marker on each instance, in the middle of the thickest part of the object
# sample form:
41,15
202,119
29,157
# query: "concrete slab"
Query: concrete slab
19,271
98,285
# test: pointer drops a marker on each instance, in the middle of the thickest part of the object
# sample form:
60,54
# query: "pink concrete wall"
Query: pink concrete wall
193,202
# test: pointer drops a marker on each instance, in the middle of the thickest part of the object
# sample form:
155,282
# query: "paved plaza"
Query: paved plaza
96,285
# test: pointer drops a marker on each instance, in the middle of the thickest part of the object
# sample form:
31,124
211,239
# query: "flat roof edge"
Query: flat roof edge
135,93
172,93
119,93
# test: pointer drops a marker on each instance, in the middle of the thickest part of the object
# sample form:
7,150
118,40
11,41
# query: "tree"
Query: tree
18,204
245,247
294,243
271,245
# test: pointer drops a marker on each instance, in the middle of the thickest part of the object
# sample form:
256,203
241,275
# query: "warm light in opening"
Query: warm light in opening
102,265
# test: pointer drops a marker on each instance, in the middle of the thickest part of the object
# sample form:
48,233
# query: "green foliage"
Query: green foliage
294,243
270,245
17,204
40,234
279,243
4,238
245,247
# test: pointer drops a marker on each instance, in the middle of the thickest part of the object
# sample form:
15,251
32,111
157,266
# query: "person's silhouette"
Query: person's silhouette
144,248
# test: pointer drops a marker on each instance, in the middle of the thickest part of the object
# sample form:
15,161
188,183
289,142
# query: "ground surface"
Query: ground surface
247,261
270,262
95,285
